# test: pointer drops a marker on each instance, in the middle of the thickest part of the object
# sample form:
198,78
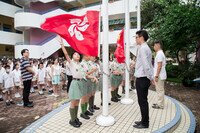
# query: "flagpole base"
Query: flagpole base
105,121
127,101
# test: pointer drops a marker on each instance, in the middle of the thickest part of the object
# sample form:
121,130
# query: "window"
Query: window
8,1
7,27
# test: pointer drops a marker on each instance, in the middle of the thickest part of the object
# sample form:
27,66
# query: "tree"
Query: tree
177,25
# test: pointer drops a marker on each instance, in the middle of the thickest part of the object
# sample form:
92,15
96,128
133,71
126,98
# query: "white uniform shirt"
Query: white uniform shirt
160,57
144,66
56,70
41,75
8,80
115,66
76,69
68,71
2,71
16,75
35,69
48,72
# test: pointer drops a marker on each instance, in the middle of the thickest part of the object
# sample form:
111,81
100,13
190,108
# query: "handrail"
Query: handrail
41,12
38,44
46,40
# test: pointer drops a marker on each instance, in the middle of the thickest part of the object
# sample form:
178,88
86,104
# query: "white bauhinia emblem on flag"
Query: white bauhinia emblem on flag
77,27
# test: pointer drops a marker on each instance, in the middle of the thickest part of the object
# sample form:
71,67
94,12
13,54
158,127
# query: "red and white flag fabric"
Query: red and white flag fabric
119,52
81,32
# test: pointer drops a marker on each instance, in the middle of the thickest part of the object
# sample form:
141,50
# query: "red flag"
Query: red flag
119,52
81,32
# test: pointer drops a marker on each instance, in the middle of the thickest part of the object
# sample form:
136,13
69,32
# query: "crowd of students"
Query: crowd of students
50,75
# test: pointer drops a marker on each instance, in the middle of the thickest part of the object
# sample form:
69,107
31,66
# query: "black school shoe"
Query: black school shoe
78,122
12,102
140,126
96,108
115,99
118,96
91,109
7,103
84,116
1,99
138,122
29,105
74,124
88,113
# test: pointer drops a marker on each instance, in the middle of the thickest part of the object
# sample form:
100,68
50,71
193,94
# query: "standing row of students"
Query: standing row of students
87,79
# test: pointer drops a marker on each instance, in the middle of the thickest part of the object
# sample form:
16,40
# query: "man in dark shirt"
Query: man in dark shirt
27,75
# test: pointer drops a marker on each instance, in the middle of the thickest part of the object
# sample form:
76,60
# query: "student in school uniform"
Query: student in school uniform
34,80
41,78
55,72
49,77
17,80
86,90
8,85
2,71
117,71
94,84
77,85
69,76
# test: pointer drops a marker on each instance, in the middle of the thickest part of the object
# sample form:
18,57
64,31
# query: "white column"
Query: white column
138,15
105,119
127,100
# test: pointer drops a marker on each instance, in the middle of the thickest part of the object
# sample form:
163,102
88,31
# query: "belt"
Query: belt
77,79
141,77
117,75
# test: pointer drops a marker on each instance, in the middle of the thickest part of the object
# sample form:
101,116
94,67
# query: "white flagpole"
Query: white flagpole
105,119
126,99
138,15
99,44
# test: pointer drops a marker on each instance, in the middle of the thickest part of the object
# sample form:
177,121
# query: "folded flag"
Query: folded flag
119,52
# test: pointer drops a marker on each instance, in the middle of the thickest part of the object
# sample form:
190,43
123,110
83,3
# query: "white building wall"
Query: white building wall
8,10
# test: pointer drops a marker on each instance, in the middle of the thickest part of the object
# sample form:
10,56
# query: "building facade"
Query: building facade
26,16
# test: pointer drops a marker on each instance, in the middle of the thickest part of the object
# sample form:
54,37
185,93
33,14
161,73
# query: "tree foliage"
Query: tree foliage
175,23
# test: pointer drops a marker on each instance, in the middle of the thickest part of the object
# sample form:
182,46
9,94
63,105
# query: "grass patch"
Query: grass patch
174,80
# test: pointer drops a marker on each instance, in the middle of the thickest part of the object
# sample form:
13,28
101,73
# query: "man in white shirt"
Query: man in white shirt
144,77
159,74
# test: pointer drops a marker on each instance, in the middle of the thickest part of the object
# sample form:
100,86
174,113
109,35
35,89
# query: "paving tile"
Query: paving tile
125,115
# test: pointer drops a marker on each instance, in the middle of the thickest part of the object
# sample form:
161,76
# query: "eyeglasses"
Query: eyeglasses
137,37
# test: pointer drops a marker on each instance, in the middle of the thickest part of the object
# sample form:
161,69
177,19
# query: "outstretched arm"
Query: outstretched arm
64,50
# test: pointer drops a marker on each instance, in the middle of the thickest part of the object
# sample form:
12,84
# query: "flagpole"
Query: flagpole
99,44
126,99
105,119
138,15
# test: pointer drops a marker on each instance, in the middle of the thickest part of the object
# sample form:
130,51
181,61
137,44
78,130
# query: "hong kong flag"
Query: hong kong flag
81,32
119,52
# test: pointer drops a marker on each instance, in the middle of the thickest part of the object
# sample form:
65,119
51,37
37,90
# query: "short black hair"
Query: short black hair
143,33
7,66
23,51
158,42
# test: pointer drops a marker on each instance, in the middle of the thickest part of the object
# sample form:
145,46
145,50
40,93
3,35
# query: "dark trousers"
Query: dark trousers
142,86
26,91
69,79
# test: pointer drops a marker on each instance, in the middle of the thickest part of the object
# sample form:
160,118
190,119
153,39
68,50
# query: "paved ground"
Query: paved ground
125,115
14,119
